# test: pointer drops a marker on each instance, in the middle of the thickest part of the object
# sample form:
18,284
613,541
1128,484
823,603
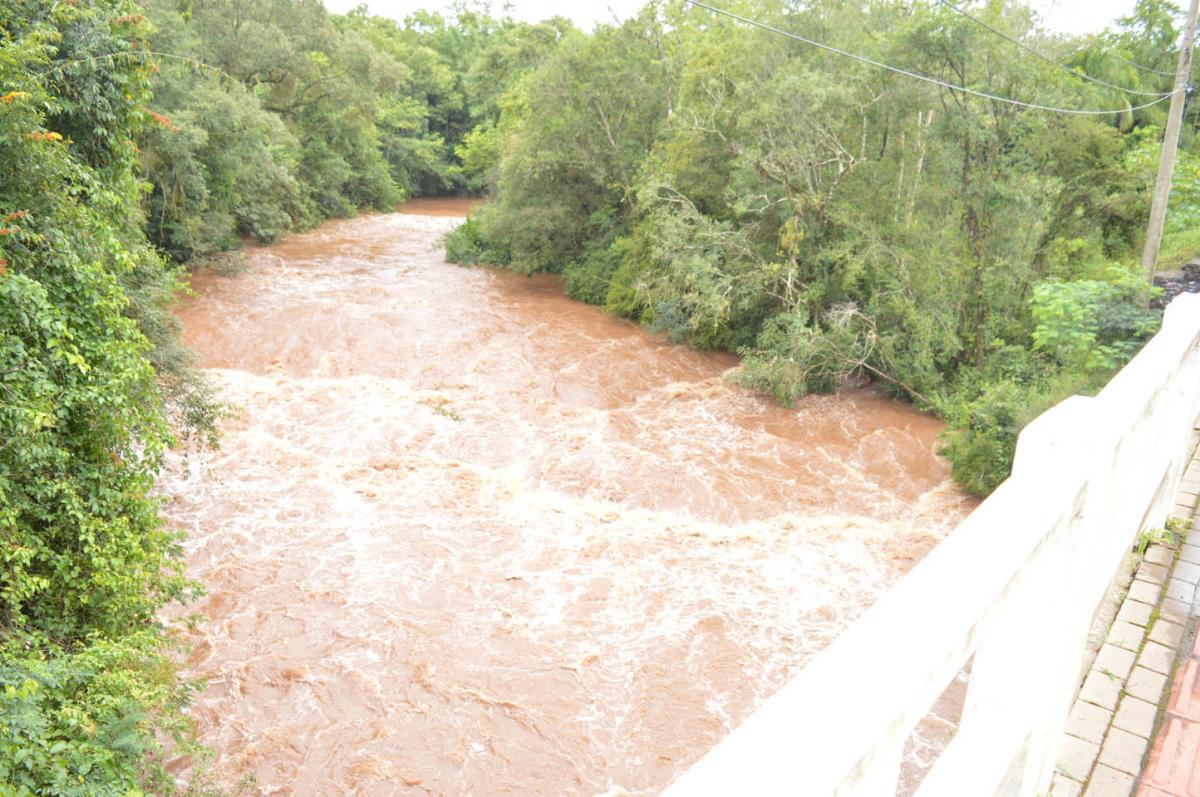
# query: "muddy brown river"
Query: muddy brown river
465,536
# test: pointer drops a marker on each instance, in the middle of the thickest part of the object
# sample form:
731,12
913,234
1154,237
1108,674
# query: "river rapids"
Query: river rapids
465,536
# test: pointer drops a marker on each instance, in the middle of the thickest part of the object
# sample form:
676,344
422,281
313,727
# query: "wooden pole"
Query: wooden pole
1166,164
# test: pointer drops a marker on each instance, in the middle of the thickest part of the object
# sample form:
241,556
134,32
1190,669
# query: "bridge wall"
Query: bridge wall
1011,592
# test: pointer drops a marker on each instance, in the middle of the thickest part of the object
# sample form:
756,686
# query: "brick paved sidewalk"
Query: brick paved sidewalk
1123,704
1173,769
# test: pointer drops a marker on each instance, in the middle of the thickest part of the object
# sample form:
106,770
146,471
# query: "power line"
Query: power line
1139,66
1046,58
918,76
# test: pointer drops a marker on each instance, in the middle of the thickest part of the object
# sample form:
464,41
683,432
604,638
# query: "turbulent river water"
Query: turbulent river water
465,536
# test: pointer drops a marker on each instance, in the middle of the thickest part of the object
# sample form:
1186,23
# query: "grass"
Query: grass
1178,249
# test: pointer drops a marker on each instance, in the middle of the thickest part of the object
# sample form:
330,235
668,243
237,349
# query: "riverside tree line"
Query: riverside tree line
826,218
727,185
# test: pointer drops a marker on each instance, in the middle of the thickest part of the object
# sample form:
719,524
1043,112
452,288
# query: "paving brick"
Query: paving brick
1174,611
1115,660
1101,689
1146,684
1075,757
1150,791
1184,698
1065,787
1159,555
1174,757
1088,722
1125,635
1166,633
1108,782
1186,571
1136,716
1190,553
1145,592
1159,658
1123,751
1180,590
1134,612
1148,571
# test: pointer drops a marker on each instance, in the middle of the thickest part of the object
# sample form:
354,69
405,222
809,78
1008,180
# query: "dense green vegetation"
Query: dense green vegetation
87,694
828,219
133,139
274,114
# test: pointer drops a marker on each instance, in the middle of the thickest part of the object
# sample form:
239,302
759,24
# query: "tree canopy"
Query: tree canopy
829,219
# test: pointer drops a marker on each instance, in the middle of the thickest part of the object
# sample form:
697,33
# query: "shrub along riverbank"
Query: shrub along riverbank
737,189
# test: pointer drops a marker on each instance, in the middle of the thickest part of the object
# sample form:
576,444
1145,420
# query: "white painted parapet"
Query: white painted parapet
1015,586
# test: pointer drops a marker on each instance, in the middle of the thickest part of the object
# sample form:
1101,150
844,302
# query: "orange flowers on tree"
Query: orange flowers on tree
164,121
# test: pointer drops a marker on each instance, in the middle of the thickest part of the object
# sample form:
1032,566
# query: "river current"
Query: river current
465,536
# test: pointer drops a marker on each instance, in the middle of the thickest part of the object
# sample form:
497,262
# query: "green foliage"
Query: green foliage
730,188
984,433
589,278
791,360
575,134
86,350
271,115
466,246
463,244
1167,536
1181,239
81,723
1089,325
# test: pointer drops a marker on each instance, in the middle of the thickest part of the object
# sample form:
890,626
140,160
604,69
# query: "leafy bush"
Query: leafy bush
1089,325
789,360
84,723
86,563
588,279
464,244
982,435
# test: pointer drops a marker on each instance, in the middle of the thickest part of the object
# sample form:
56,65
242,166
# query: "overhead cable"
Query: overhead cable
1042,56
926,78
1139,66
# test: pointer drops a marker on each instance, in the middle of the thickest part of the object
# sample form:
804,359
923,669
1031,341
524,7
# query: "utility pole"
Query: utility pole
1166,164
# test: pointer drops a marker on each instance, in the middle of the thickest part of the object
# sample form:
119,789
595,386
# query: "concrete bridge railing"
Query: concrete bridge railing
1012,592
